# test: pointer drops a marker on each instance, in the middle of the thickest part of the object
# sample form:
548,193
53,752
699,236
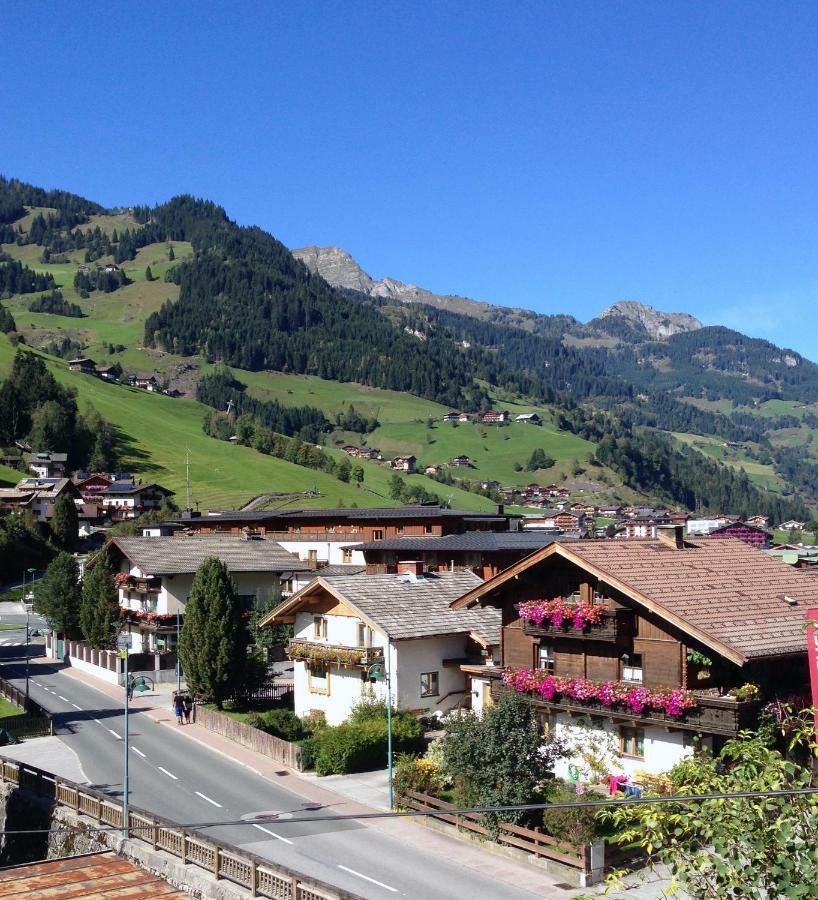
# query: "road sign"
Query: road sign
124,642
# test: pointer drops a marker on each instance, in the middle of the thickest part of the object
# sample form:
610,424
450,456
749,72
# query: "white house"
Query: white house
128,499
528,419
401,624
155,574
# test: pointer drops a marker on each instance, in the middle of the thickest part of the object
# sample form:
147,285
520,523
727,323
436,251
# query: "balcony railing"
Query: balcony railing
139,585
711,715
616,627
334,654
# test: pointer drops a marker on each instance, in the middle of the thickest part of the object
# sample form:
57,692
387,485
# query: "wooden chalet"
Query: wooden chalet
691,621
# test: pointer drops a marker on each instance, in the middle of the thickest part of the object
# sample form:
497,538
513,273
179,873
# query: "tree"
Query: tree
99,610
213,643
171,254
65,522
344,470
539,460
396,486
51,426
57,594
500,759
148,274
358,474
744,847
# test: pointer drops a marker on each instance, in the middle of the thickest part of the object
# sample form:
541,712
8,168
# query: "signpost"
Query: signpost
378,672
123,643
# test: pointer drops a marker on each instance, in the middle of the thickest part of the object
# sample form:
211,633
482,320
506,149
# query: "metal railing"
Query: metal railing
223,861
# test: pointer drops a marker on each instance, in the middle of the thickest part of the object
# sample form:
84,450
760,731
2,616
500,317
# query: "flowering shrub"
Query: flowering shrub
318,653
560,613
609,693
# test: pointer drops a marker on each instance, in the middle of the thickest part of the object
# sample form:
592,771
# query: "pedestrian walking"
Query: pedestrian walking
188,705
179,708
131,683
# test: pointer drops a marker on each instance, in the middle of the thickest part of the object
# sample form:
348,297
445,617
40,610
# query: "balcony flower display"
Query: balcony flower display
349,656
561,613
609,693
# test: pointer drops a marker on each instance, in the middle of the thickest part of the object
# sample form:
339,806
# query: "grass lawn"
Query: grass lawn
758,473
8,709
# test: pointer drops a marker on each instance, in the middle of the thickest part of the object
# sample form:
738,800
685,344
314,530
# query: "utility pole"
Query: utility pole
187,478
378,672
124,645
178,664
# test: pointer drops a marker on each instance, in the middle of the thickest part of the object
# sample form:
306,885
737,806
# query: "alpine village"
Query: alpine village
340,546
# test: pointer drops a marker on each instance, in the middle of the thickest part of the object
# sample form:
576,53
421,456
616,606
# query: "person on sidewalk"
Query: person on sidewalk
131,682
179,708
188,704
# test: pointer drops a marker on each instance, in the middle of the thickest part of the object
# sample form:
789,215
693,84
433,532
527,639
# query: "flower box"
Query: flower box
315,652
614,625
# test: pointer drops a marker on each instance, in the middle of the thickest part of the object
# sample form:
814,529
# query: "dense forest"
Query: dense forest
57,305
15,278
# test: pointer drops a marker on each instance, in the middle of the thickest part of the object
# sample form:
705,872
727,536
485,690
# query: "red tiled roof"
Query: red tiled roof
724,592
96,875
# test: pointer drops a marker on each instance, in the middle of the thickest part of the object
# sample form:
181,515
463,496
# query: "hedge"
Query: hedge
362,746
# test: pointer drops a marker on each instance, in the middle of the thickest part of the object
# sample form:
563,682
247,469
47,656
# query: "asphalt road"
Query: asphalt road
185,782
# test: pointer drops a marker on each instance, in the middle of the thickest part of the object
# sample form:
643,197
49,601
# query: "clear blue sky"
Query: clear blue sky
557,156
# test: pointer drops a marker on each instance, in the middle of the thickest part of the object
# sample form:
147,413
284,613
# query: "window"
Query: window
632,668
346,555
429,684
427,529
318,679
312,556
399,529
319,628
364,635
632,741
377,534
545,657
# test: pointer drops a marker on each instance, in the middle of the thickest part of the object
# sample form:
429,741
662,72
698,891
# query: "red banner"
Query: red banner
812,657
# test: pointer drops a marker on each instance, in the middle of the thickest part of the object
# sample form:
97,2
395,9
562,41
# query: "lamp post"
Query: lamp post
381,673
178,665
124,643
29,605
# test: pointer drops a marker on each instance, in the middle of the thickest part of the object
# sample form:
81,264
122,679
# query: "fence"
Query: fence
282,751
281,692
34,721
222,861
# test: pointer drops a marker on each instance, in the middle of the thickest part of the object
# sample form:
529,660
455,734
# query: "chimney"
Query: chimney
411,567
672,535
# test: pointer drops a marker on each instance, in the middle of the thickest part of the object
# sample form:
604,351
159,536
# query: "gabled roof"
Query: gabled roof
128,487
724,593
485,541
402,607
182,555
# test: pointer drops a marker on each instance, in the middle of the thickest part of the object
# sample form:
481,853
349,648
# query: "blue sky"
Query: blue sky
557,156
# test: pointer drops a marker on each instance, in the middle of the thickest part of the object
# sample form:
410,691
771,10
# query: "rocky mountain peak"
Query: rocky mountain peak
659,325
336,267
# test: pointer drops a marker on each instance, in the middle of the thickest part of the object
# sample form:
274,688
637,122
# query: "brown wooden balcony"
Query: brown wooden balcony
333,654
616,627
711,715
139,585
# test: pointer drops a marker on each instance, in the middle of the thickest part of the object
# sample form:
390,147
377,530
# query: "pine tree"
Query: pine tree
65,522
148,274
213,642
344,470
57,595
171,254
99,609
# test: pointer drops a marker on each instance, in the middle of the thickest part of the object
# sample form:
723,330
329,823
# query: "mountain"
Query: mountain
655,324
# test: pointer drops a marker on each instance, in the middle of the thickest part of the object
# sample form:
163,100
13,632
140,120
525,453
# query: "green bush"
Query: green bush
284,724
362,746
575,826
413,774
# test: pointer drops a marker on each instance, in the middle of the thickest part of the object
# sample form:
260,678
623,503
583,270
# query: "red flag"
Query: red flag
812,657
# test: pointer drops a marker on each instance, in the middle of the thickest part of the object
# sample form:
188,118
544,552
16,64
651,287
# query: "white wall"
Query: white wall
326,550
427,655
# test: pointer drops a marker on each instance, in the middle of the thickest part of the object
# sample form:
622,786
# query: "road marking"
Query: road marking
271,833
169,774
75,706
64,699
367,878
205,797
99,723
115,734
137,750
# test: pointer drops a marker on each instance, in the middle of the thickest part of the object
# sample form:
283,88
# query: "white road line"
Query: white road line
99,723
115,734
367,878
271,833
205,797
64,699
137,750
169,774
75,706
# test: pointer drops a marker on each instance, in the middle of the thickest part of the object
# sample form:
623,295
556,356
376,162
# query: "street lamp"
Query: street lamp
378,672
29,605
178,666
123,644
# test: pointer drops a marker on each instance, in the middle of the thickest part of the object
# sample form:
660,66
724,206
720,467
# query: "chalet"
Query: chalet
451,417
759,521
328,529
528,419
82,364
406,464
792,525
146,383
464,417
83,270
433,469
489,485
401,623
350,450
629,671
111,267
123,500
47,465
154,576
743,531
37,495
461,462
483,552
495,417
610,512
705,526
564,521
108,373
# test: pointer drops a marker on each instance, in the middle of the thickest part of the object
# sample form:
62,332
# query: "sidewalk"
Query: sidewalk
528,877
